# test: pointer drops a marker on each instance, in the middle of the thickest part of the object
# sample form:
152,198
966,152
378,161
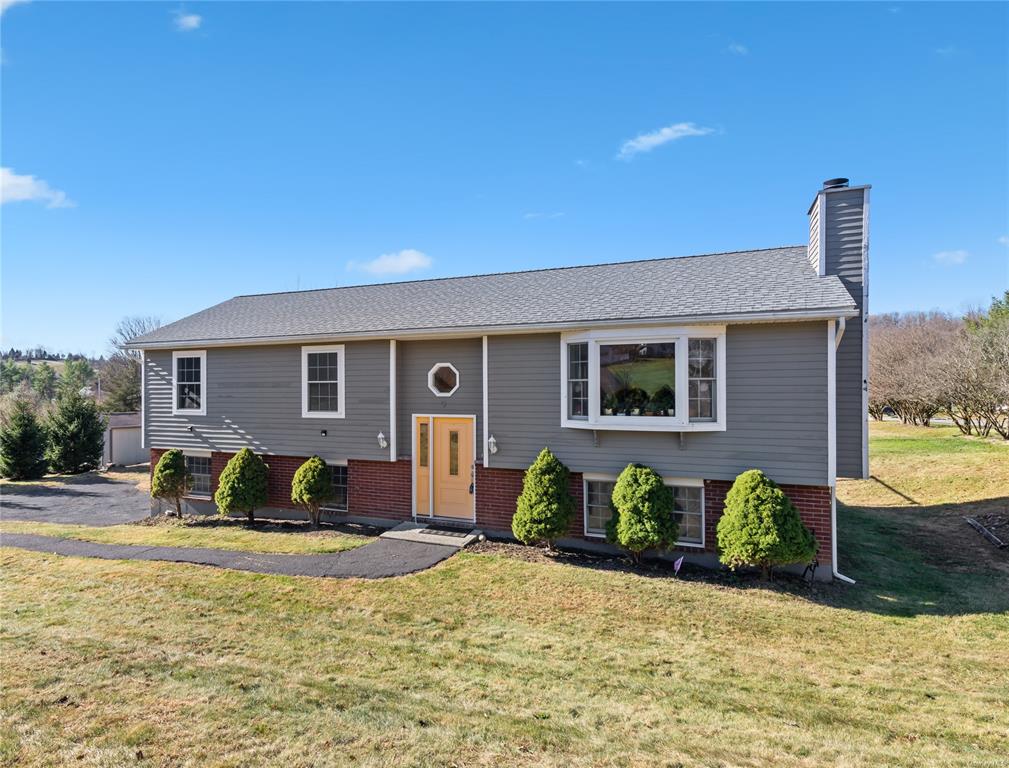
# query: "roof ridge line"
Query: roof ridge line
516,272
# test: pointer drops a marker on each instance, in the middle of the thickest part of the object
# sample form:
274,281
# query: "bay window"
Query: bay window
651,379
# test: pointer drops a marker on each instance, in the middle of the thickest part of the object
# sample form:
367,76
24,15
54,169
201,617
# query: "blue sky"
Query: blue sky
159,158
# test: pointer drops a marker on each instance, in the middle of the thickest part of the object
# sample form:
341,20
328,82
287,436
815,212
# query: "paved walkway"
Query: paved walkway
90,499
379,559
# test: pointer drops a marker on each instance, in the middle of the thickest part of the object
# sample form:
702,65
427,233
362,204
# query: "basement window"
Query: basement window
199,468
338,479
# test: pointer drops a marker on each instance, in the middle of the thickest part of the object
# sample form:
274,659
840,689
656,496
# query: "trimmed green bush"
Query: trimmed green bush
761,527
171,479
545,506
312,487
22,443
75,434
642,512
243,485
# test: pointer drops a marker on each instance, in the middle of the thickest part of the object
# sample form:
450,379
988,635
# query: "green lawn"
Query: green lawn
487,660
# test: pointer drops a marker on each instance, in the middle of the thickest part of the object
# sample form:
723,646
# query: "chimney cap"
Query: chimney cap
833,183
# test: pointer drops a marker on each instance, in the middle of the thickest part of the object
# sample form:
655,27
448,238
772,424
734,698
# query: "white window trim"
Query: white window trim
687,482
677,334
305,351
202,410
430,380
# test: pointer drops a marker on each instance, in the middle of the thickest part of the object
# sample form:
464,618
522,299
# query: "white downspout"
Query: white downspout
833,339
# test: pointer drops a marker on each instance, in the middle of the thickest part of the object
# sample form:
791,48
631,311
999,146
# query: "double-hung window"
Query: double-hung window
649,379
198,468
597,506
688,509
189,383
338,480
578,380
322,382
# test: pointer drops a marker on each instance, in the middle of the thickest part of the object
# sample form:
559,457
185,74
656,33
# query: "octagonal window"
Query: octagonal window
443,379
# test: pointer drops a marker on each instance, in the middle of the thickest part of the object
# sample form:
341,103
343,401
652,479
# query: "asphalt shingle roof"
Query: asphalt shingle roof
730,284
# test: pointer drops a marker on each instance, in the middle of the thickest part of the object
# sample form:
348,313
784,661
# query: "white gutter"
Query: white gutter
833,339
795,315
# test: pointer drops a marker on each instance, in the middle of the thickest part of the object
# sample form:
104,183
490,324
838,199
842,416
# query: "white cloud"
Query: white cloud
15,188
5,4
187,22
950,258
738,49
1004,240
646,142
542,215
399,263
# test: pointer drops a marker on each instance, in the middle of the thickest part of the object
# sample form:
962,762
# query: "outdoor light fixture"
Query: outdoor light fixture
492,444
382,442
190,427
323,432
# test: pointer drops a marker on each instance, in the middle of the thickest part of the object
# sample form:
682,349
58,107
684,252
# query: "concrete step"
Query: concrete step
433,534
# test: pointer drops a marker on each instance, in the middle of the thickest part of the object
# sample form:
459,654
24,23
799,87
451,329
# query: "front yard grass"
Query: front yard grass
487,660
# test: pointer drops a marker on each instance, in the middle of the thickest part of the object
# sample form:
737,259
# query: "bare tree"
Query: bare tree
130,328
121,373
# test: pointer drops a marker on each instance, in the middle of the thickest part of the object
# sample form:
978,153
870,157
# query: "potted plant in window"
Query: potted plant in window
664,400
609,404
636,400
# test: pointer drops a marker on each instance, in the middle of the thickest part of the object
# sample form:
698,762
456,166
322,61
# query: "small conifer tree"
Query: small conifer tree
312,487
75,434
22,443
545,505
243,485
171,479
761,527
642,512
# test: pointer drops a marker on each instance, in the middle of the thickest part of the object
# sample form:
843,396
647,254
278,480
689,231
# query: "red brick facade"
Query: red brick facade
812,501
380,489
497,491
383,489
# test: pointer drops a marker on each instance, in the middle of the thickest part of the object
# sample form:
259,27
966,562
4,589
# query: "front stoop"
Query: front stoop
428,534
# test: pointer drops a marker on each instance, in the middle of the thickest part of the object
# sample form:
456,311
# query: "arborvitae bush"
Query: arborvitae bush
75,434
642,512
312,487
545,505
761,527
171,479
243,485
22,443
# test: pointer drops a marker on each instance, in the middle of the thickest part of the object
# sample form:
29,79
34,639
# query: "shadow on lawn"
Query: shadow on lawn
911,561
262,525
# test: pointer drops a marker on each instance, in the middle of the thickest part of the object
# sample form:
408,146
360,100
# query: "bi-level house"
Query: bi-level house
429,398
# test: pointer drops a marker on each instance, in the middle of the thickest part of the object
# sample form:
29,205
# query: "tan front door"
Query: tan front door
444,458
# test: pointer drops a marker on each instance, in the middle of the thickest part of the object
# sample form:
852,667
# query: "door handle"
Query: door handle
471,489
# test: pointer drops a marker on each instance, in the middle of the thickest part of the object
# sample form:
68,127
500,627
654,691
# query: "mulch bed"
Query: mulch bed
652,567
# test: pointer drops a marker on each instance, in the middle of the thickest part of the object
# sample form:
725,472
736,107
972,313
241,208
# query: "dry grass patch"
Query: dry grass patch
211,533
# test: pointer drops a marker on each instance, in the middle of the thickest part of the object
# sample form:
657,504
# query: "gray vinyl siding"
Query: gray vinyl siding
253,397
843,246
776,411
414,360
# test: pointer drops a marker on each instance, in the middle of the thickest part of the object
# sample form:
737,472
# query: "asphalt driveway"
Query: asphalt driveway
90,499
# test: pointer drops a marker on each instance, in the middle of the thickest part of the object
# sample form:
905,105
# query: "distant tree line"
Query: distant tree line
928,364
